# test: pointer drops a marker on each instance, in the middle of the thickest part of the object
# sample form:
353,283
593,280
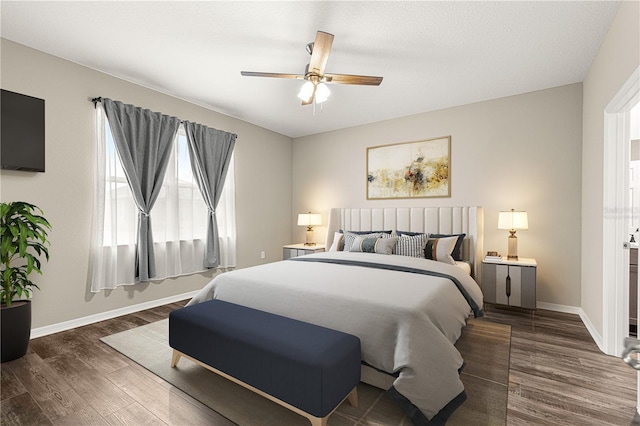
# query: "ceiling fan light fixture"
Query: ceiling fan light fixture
322,93
314,90
306,91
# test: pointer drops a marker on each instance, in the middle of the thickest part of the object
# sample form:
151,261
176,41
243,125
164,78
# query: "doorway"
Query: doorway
617,218
634,217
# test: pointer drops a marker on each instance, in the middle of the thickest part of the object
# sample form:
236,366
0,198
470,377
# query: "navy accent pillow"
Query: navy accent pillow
409,233
367,232
457,250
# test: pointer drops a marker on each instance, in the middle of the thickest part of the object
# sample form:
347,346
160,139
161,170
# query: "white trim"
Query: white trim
615,226
627,96
615,260
79,322
592,330
567,309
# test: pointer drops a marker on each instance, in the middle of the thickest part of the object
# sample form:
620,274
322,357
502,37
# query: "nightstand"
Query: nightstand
510,282
295,250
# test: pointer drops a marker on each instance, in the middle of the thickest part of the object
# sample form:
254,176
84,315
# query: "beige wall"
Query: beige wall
539,151
65,190
521,152
618,57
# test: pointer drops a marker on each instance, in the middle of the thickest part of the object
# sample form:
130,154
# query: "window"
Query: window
178,217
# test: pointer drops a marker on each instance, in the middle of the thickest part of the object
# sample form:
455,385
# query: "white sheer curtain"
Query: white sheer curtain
112,265
179,218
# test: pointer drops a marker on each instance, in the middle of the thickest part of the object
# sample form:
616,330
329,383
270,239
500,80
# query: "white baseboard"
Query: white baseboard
578,311
559,308
592,330
79,322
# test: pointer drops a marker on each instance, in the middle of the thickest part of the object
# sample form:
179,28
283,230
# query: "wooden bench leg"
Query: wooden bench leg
175,358
353,398
317,421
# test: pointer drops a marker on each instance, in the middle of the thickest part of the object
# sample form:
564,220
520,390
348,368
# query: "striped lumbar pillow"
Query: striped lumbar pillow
374,245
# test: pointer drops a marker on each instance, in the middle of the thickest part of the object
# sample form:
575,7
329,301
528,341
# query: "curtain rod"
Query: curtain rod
99,99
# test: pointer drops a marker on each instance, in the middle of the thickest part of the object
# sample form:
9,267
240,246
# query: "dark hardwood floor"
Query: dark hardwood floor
558,376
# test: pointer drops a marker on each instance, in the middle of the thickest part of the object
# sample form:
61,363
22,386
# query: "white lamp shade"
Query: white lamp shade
322,93
513,220
306,91
309,219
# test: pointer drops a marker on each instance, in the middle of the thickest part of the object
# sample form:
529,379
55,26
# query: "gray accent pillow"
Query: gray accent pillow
349,237
341,244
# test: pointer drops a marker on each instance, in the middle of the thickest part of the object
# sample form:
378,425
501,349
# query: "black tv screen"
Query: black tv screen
21,132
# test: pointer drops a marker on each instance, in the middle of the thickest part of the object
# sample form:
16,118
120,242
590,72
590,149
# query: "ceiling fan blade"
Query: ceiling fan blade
311,98
320,53
353,79
270,74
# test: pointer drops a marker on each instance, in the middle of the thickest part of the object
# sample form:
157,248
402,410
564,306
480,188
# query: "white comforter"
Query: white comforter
407,322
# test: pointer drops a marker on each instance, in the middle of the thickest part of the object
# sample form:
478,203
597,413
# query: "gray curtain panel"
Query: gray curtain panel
143,140
210,152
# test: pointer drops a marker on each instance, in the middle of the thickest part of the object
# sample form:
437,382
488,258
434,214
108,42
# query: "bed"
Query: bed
407,311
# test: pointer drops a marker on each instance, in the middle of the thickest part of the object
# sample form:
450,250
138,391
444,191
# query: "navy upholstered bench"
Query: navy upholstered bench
306,368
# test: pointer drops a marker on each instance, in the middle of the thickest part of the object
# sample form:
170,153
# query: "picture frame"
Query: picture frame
418,169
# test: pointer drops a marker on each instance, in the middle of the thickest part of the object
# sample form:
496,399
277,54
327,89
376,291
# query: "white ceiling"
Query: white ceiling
432,55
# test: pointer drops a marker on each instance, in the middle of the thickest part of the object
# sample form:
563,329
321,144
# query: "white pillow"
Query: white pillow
440,249
337,236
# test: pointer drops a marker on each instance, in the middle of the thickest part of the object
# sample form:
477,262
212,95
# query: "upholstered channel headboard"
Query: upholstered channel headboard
433,220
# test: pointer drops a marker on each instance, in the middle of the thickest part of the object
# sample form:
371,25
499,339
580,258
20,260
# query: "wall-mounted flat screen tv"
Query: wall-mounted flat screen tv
21,132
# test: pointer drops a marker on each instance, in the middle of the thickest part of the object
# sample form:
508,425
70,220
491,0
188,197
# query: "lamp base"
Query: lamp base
309,240
513,247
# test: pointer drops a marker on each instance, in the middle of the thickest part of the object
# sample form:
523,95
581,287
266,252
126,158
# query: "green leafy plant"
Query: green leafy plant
23,238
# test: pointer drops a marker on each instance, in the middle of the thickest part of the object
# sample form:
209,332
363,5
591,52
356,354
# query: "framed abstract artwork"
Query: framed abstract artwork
418,169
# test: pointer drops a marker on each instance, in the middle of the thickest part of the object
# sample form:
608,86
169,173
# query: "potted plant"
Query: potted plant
23,239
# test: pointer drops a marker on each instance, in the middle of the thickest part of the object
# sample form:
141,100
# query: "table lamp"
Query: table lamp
309,220
512,220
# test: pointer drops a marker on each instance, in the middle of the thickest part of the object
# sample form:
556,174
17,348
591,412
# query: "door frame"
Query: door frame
615,266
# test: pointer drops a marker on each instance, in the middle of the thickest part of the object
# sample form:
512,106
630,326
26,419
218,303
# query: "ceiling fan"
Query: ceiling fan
315,87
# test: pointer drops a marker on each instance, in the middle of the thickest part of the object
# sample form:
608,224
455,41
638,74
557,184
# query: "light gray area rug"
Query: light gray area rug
485,347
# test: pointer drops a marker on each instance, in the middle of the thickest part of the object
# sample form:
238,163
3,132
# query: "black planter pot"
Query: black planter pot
16,329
